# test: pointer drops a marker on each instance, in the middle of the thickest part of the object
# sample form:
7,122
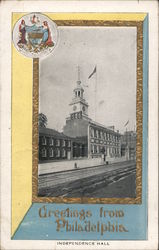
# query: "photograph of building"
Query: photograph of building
87,147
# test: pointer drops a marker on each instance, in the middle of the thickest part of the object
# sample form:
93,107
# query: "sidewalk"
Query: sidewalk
54,167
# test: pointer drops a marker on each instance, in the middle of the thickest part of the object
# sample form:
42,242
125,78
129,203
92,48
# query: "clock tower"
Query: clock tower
78,121
78,105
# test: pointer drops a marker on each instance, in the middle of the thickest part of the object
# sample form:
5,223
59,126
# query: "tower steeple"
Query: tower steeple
78,104
78,91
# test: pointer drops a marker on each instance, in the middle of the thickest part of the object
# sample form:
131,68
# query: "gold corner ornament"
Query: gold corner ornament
35,35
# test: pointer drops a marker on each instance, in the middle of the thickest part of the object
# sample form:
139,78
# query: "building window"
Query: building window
63,153
63,143
43,152
97,148
69,143
93,150
92,132
105,150
51,152
97,133
58,152
43,140
104,136
107,136
101,134
51,141
57,142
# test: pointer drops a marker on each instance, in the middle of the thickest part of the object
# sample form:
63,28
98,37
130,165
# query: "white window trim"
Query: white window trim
52,152
63,143
44,150
58,152
57,142
63,153
51,141
43,140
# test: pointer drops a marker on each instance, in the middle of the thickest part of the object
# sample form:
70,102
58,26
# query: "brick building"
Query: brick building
99,139
53,145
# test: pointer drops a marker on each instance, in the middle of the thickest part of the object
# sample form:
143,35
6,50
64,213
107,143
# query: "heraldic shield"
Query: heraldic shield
35,35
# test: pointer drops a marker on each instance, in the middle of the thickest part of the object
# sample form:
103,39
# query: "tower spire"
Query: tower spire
78,73
78,77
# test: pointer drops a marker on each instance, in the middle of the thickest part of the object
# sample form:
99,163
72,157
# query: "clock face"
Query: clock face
74,107
83,108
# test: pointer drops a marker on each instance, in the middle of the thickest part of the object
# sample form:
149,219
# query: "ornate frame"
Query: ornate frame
139,119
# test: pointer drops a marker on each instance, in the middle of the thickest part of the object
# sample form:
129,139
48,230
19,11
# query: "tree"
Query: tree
42,120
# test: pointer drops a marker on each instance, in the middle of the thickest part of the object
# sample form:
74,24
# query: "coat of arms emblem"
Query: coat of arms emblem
35,35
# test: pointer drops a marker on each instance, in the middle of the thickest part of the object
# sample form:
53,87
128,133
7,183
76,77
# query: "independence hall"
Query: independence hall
81,136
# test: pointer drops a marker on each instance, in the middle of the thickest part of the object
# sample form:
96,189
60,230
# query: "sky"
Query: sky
113,51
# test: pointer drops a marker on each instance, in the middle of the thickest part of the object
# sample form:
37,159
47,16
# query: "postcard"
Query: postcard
83,113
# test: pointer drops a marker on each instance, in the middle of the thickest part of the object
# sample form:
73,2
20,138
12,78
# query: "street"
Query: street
114,180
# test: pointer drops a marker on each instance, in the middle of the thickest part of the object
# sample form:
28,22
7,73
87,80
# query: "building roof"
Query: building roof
52,132
104,127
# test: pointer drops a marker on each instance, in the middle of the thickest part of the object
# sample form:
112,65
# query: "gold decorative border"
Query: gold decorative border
139,116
